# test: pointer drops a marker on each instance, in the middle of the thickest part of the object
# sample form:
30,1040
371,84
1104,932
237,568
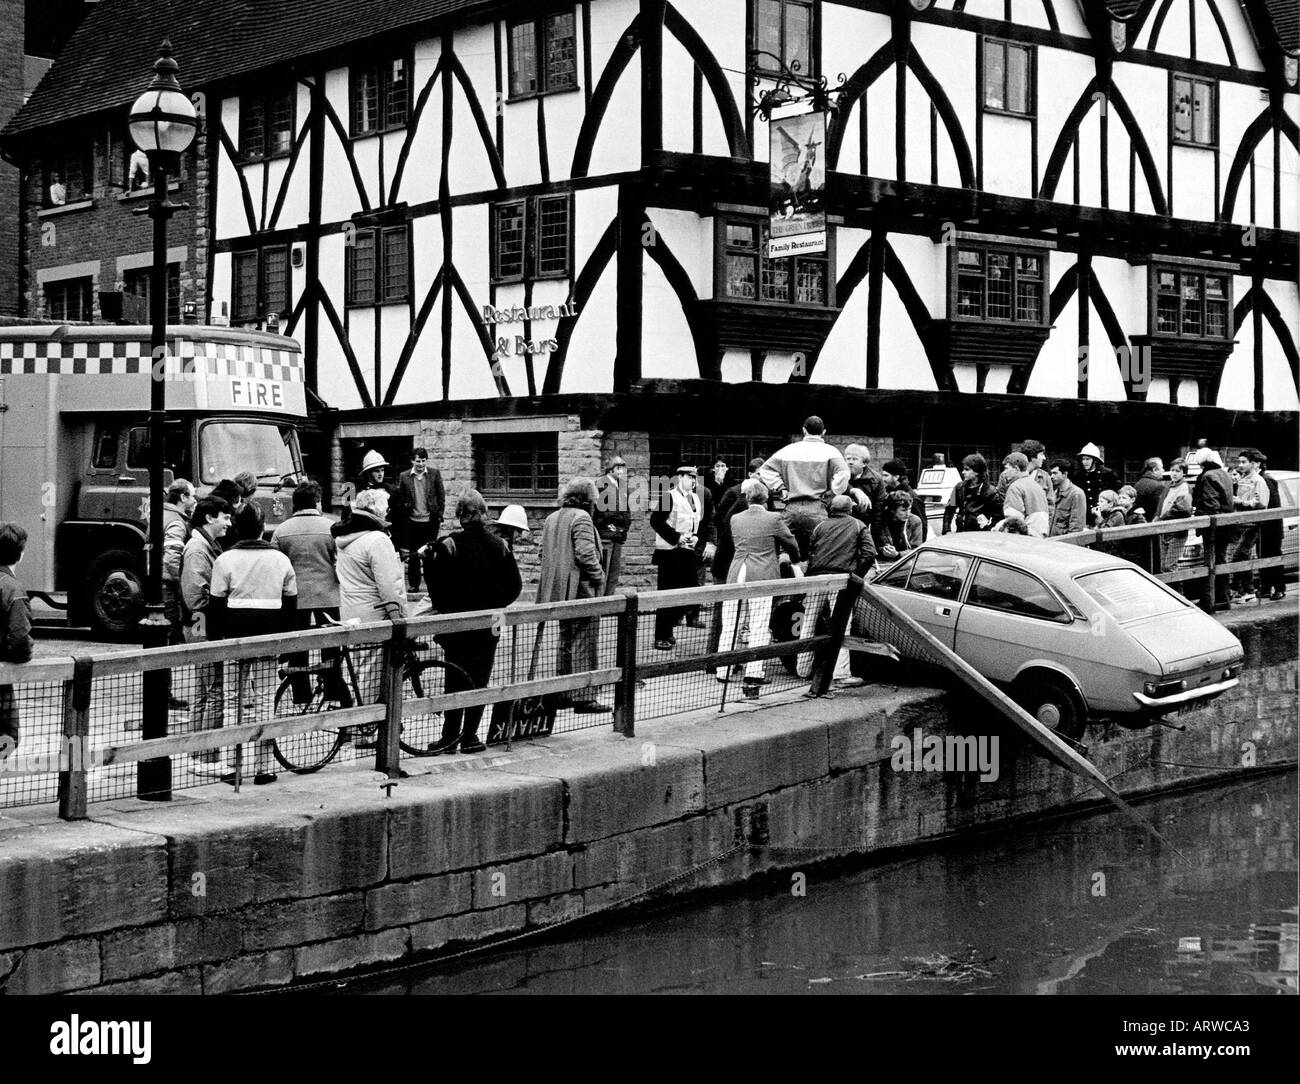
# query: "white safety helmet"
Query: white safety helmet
513,515
372,460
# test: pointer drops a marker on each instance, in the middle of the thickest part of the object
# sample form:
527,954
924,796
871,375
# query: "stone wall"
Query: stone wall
224,892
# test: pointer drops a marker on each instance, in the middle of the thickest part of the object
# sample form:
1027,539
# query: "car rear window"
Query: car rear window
1127,595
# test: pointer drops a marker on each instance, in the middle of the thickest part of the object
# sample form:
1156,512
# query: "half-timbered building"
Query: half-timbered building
526,233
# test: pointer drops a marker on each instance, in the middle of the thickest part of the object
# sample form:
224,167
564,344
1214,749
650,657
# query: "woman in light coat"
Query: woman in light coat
371,583
757,535
1175,503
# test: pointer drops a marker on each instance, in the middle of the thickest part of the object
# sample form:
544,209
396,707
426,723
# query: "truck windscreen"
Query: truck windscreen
228,447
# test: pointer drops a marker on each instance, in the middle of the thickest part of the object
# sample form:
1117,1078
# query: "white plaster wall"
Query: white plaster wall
1104,379
590,363
470,163
843,357
667,349
365,153
1237,388
1193,183
594,210
690,238
339,198
1146,92
882,159
965,376
1189,393
297,189
678,97
618,144
997,379
333,378
394,331
927,266
232,220
1008,155
422,175
1067,75
1158,392
950,55
1069,18
903,363
359,325
220,284
1056,371
736,366
850,37
990,9
1125,287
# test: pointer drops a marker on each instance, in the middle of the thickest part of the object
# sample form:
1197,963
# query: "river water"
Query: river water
1088,905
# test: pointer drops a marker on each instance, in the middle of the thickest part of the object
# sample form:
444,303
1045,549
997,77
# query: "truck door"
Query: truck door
133,479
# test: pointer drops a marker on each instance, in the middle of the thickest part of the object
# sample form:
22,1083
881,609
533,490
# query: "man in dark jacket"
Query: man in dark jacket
1151,487
306,540
15,628
470,569
1093,477
1212,496
974,504
1272,581
612,519
840,543
254,593
417,511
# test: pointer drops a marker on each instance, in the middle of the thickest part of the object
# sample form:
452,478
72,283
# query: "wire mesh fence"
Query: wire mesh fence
245,710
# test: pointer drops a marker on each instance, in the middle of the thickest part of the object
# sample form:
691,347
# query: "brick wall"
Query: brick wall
109,228
11,98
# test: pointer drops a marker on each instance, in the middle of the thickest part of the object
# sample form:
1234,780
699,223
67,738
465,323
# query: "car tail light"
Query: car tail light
1231,672
1164,688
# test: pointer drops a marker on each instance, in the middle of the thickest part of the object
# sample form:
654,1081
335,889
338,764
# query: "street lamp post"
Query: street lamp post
162,124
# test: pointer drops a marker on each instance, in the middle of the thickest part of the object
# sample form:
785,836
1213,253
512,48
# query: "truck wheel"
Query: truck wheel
1054,705
115,590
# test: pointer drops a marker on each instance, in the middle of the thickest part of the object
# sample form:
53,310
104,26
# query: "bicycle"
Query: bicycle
311,750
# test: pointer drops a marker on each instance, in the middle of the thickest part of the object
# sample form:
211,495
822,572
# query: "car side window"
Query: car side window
896,576
104,457
1000,588
938,573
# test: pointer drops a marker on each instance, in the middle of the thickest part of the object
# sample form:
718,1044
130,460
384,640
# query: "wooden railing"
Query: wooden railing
79,754
1211,529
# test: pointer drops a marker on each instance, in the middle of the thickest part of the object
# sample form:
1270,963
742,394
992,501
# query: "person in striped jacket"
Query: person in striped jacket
254,593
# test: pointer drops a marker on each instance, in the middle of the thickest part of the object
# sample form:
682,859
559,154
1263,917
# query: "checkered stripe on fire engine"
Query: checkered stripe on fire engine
123,358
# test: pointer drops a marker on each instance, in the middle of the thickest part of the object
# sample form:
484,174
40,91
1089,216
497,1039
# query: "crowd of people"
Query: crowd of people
806,509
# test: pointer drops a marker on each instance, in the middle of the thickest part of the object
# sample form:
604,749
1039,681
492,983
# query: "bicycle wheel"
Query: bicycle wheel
427,677
311,750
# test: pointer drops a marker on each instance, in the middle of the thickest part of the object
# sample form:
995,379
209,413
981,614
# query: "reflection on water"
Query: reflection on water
1084,906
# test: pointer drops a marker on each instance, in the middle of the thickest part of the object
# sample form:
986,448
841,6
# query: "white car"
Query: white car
1069,632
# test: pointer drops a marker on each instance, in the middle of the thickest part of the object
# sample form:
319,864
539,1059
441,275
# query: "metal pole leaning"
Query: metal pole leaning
625,660
824,663
388,754
76,741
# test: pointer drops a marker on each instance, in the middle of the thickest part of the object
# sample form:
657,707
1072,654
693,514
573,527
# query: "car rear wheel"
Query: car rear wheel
1053,705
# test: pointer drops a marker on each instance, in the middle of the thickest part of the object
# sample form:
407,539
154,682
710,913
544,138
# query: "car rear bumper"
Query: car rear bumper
1182,700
